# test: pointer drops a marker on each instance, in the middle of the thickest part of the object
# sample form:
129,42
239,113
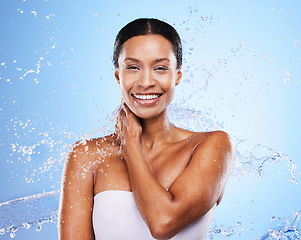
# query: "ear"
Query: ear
179,76
117,75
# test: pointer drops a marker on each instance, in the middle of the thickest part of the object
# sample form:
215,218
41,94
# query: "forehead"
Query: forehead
147,46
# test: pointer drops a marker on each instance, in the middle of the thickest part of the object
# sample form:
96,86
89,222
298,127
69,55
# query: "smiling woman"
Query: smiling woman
149,179
241,74
148,74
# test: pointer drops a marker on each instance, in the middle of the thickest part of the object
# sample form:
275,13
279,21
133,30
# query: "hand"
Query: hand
128,127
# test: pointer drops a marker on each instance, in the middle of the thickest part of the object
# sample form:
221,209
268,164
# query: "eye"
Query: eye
161,68
132,67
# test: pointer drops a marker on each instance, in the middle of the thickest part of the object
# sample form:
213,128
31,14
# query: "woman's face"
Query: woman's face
147,74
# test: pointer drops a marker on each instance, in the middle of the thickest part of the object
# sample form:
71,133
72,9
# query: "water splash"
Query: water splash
249,156
31,211
288,228
258,157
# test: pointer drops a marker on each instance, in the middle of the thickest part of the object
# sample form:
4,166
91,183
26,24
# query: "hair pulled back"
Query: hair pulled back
145,26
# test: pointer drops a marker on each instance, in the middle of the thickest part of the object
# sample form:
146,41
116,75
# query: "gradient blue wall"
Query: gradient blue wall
241,71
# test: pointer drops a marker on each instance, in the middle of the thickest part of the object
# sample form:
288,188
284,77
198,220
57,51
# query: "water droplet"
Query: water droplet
34,13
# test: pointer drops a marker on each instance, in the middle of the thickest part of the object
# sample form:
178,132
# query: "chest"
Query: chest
165,163
168,163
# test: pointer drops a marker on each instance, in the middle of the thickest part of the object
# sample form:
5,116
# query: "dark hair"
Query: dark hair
145,26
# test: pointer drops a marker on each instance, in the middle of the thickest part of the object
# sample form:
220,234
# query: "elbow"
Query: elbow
160,234
162,230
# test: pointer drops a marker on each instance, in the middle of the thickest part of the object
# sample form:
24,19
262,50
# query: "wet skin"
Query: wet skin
147,154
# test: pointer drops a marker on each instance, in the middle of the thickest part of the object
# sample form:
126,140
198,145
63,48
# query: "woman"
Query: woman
149,179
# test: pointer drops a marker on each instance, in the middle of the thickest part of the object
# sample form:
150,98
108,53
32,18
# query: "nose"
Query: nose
146,79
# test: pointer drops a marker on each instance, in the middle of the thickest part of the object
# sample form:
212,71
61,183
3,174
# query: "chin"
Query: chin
147,113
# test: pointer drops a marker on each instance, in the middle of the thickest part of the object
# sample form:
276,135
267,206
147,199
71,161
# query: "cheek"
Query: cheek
171,94
124,90
168,82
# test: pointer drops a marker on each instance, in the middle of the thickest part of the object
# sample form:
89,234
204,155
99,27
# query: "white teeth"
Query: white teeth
147,97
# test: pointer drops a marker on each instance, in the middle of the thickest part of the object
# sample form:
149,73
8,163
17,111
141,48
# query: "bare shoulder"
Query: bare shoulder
209,138
90,146
88,153
220,137
217,144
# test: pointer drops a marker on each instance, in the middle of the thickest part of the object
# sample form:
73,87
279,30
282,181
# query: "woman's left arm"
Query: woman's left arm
191,195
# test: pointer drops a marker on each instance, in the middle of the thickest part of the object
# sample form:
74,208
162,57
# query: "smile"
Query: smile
146,96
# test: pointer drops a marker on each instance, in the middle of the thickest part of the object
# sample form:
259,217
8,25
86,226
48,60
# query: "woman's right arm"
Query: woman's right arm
76,202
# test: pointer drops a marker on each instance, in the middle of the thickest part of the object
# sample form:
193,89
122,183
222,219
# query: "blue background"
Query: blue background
242,74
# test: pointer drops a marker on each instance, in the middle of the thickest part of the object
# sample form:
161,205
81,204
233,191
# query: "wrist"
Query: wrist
133,140
131,148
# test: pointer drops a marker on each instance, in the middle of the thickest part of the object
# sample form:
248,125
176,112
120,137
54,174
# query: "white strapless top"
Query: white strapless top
116,217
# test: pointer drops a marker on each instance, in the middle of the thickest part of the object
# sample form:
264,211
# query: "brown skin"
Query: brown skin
147,154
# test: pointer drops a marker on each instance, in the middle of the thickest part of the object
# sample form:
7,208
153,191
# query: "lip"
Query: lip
146,102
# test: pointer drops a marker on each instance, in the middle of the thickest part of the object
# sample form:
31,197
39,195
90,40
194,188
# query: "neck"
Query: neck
156,130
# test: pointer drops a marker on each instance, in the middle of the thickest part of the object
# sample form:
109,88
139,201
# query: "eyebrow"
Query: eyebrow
162,59
131,59
157,60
